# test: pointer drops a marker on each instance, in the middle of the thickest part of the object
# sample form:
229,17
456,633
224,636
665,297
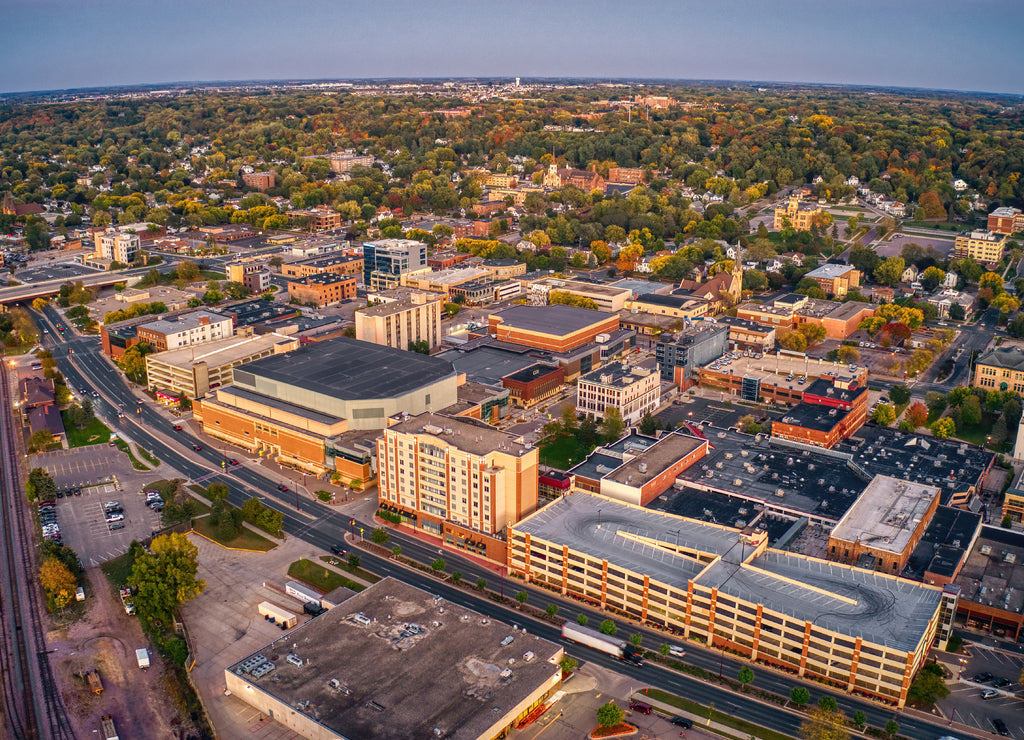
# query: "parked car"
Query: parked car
1002,683
682,722
989,694
982,677
1000,726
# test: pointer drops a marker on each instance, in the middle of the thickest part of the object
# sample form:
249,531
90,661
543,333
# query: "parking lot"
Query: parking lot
85,529
103,474
965,704
82,466
62,271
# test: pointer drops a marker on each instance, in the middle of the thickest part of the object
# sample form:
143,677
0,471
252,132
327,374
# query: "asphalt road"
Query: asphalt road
322,526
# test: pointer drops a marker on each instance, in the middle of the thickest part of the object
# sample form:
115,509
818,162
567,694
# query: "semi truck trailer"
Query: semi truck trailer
605,643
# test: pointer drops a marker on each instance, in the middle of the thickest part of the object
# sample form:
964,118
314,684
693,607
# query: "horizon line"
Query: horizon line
660,81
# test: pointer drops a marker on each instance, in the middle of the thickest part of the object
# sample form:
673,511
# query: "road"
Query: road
322,526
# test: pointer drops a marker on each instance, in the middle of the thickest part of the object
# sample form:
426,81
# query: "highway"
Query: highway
322,526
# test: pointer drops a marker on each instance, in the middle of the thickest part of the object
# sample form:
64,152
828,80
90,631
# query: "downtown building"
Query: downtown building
385,261
457,479
861,631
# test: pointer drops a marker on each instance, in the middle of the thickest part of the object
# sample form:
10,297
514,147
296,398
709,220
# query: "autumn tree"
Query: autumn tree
812,332
884,414
601,251
822,724
165,577
944,427
58,583
932,206
629,256
847,354
917,414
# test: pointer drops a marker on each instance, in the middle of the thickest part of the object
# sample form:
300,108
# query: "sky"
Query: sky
62,44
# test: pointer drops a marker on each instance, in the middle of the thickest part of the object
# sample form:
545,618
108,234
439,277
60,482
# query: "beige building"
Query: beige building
442,281
457,478
117,246
192,371
397,323
185,330
606,297
799,215
634,391
985,247
863,632
1001,369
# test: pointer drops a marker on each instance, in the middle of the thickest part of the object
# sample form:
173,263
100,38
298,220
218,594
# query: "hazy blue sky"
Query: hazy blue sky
53,44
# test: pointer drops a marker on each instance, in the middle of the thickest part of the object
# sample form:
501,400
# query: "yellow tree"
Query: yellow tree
39,304
602,253
822,724
58,582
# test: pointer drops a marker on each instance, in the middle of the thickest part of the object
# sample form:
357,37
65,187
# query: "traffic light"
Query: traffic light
223,464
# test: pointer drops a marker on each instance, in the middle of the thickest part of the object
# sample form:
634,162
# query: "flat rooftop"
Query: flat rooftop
887,514
323,278
348,369
814,416
557,320
488,364
994,572
643,286
829,271
184,322
405,662
532,372
617,375
944,544
580,286
222,351
605,459
846,600
470,435
653,461
454,275
258,310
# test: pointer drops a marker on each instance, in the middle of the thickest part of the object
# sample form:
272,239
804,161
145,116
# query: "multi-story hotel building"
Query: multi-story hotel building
861,631
634,391
457,479
1001,368
985,247
259,180
116,246
397,323
186,330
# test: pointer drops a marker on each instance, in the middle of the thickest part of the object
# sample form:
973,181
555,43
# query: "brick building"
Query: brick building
828,413
185,331
323,290
556,328
836,280
1006,220
320,218
259,180
984,247
634,391
879,532
339,264
533,384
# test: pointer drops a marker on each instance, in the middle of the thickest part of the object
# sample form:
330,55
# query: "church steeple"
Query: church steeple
736,284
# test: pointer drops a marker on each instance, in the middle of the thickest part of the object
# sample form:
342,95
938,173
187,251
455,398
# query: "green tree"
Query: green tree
636,639
551,609
889,271
899,394
521,597
353,561
935,401
664,649
745,676
40,440
567,664
884,414
847,354
928,686
188,271
396,550
970,411
610,714
859,718
799,696
438,565
828,704
892,727
219,492
481,583
608,628
380,536
612,425
420,346
649,424
40,486
165,577
456,577
582,619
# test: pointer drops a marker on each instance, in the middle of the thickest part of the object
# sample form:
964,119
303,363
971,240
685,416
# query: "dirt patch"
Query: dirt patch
105,640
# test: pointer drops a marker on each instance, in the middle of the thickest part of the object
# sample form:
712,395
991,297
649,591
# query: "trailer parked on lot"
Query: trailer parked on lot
277,615
605,643
303,593
107,726
142,656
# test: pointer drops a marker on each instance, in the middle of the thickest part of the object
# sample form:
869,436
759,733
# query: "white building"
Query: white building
634,391
118,246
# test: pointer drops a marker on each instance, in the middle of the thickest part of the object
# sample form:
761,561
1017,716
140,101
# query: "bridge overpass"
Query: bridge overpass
44,289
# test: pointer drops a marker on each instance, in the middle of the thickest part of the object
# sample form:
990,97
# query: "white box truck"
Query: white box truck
142,655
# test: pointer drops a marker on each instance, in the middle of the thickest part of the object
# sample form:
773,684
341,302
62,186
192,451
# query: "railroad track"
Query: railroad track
32,704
